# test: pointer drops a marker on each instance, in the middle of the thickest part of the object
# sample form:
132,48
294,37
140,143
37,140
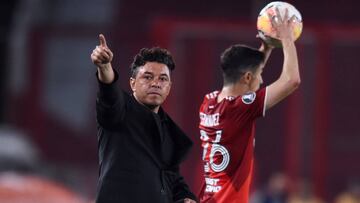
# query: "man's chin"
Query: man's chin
154,100
150,102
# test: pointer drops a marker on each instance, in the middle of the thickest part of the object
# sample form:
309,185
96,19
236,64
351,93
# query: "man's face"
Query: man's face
152,84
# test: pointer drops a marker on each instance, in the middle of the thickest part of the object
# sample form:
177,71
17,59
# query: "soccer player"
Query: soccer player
140,147
227,117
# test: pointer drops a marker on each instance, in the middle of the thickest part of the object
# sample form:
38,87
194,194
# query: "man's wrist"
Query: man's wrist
106,74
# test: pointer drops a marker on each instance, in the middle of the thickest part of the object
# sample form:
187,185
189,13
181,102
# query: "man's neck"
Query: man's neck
152,108
232,90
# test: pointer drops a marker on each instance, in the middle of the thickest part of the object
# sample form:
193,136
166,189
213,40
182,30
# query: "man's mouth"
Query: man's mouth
154,93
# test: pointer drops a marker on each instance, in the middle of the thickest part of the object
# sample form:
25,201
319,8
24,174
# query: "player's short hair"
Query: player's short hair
237,60
155,54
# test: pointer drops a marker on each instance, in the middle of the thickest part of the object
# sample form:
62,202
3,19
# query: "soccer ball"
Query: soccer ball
264,26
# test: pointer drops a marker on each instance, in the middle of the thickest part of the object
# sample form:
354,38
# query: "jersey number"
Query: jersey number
215,148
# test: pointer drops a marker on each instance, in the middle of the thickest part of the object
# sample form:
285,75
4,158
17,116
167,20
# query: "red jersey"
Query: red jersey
227,132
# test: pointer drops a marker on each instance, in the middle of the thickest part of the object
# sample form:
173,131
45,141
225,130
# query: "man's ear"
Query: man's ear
132,84
248,77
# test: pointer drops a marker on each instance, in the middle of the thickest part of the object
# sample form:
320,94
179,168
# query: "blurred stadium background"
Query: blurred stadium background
48,89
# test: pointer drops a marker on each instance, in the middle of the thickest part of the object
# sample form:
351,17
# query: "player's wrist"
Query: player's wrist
287,41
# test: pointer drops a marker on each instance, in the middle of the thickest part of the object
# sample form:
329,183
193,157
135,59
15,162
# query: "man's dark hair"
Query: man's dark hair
155,54
237,60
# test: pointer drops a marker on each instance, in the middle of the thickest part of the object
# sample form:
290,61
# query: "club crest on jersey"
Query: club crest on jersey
248,98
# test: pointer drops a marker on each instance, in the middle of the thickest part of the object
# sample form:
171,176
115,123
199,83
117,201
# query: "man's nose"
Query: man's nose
155,83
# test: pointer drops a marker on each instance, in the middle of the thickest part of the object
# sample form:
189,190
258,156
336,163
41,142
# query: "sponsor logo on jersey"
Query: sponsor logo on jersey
212,185
248,98
209,120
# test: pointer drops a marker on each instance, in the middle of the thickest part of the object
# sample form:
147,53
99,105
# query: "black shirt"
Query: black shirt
167,144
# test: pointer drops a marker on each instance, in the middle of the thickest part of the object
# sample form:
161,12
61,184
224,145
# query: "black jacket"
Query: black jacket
129,147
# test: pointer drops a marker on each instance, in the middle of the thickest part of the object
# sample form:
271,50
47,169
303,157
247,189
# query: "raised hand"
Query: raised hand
102,55
283,26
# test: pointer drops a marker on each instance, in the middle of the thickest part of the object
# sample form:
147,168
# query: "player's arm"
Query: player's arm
266,49
102,57
289,79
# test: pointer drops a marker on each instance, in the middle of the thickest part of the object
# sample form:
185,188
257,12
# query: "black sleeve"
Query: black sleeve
110,103
180,189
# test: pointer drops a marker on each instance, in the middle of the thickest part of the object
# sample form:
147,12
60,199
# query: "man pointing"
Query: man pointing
140,147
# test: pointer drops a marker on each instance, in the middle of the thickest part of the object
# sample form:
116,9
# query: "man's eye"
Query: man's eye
147,77
164,79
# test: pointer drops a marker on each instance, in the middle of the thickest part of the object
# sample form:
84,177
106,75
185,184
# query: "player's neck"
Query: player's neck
232,90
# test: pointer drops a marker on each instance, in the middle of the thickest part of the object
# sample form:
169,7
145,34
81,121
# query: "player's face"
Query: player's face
256,79
152,84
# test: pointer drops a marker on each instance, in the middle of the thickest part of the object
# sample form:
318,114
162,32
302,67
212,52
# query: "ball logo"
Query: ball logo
249,98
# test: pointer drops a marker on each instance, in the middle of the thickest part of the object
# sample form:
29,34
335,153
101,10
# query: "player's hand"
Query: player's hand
187,200
265,47
102,55
283,26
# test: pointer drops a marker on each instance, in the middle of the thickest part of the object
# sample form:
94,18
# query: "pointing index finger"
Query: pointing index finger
102,40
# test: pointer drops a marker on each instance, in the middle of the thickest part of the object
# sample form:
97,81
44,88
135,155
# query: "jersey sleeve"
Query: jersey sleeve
203,103
254,103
